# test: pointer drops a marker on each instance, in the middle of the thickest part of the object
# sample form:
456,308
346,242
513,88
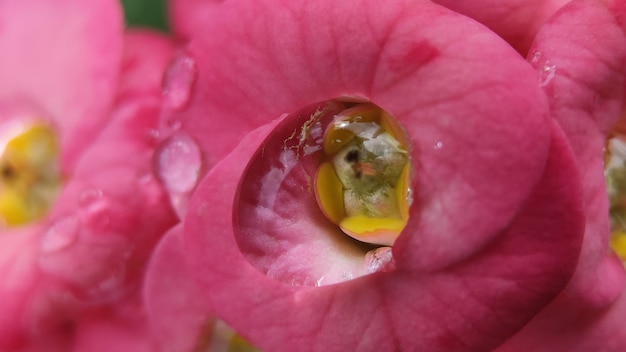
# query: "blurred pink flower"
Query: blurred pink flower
70,278
496,225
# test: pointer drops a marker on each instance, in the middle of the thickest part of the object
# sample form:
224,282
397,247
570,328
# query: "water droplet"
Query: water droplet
145,178
88,196
536,57
319,281
202,209
347,276
379,259
546,70
152,136
60,235
178,81
547,73
178,163
96,211
174,124
109,288
438,145
409,196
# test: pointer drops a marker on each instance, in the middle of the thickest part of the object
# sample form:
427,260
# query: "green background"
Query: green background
145,13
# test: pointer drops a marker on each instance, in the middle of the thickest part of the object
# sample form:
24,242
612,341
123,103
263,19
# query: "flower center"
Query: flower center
363,185
29,172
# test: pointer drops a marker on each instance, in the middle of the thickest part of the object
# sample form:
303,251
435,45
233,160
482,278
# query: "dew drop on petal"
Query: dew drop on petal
545,69
174,124
95,213
110,287
546,73
178,161
328,184
88,196
145,178
178,81
536,57
379,259
60,235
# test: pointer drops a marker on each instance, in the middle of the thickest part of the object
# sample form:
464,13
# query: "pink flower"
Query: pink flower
68,273
579,55
494,230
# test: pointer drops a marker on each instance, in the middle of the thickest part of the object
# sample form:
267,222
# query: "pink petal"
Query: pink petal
584,46
187,16
517,21
407,59
20,276
123,327
471,305
576,331
64,58
146,55
171,295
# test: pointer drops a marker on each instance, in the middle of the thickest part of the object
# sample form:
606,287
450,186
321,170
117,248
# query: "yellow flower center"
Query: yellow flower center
29,173
363,185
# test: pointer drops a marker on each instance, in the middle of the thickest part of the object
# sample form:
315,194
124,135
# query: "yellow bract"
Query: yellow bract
29,174
618,243
363,187
382,231
329,193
